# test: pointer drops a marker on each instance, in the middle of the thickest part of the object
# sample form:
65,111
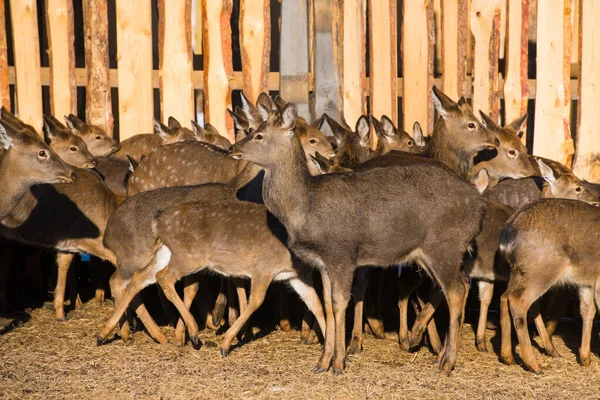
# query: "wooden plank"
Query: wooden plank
516,93
61,52
485,21
552,137
437,11
4,88
175,61
98,105
418,37
383,58
255,45
353,60
503,29
587,161
327,55
134,61
218,67
293,53
27,62
454,47
197,26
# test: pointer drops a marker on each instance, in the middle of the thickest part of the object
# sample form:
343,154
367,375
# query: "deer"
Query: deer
326,231
565,228
63,216
96,139
195,236
210,134
26,161
70,147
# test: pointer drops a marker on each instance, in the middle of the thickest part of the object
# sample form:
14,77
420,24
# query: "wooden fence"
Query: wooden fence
344,57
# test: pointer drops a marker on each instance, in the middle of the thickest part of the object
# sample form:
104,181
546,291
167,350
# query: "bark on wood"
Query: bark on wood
354,60
4,88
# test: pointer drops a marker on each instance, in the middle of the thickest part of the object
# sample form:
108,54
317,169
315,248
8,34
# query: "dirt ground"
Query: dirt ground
45,358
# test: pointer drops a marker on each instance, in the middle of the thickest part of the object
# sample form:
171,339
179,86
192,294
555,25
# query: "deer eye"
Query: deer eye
42,154
410,143
512,153
98,137
471,126
73,149
312,141
579,189
258,137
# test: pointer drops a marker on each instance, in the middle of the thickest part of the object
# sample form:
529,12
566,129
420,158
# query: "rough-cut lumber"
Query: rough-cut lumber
327,56
61,52
418,37
98,105
218,67
4,88
454,34
516,92
255,45
503,28
587,161
485,26
175,60
134,61
197,26
27,62
293,54
552,138
437,11
353,60
383,58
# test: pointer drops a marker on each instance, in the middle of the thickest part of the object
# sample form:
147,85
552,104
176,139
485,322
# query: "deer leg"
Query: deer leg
284,310
73,290
201,301
539,324
96,273
424,317
340,294
557,304
455,291
240,289
308,294
190,289
167,306
151,326
117,287
407,283
506,353
233,311
167,278
486,292
63,261
432,332
588,310
307,333
359,289
374,316
520,299
220,304
327,354
257,296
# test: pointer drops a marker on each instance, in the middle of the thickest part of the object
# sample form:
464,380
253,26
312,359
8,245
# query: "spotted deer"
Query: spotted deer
96,139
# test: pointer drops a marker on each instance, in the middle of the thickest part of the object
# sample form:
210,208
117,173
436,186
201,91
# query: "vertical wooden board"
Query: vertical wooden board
418,36
61,51
98,105
4,88
383,58
197,26
516,90
134,62
485,26
293,64
353,60
255,45
587,161
218,67
27,62
503,28
327,72
437,11
175,60
552,138
454,34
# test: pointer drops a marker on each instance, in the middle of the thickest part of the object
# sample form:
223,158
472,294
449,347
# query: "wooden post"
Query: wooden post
255,45
61,51
516,90
418,38
485,26
175,60
4,88
327,46
353,60
383,57
27,62
454,48
218,64
552,137
98,105
293,65
587,161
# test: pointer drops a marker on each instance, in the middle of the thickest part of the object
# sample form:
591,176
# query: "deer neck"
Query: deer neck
13,187
286,187
247,174
442,149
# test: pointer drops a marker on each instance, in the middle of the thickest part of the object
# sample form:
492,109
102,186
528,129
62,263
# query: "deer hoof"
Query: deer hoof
99,340
62,319
337,372
224,352
195,342
319,369
210,343
482,347
216,321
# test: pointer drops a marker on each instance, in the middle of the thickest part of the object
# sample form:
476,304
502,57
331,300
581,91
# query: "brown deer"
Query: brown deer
210,134
97,141
337,222
195,236
70,147
391,138
565,230
25,161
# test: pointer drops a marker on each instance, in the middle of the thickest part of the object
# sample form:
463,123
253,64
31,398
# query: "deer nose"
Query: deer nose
94,162
497,142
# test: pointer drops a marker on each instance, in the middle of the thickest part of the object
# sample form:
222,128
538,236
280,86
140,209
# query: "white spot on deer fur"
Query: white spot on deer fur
151,173
160,261
164,158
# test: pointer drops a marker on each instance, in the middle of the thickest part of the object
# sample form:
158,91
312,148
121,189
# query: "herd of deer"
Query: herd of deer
285,201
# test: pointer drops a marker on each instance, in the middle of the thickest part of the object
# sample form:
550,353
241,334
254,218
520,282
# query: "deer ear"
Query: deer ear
481,180
387,126
289,115
442,103
5,142
265,100
240,122
322,163
418,135
488,122
280,103
363,130
173,123
546,172
247,106
518,125
161,130
71,125
198,130
132,163
263,111
48,135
